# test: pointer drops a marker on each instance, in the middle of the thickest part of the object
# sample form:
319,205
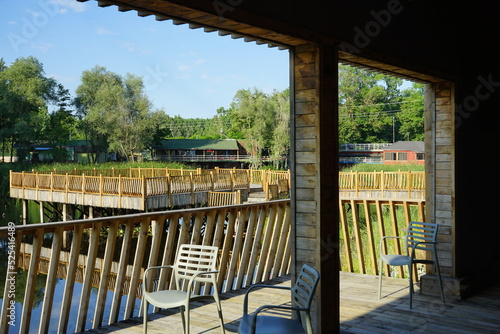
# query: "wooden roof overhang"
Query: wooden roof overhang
261,30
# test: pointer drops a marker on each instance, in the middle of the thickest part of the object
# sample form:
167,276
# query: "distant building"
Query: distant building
404,152
199,150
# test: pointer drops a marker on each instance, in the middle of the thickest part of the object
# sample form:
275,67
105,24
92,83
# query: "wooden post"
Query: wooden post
169,189
356,183
408,181
382,182
144,190
41,212
25,211
314,135
192,187
100,189
65,212
66,183
120,191
83,189
232,177
37,182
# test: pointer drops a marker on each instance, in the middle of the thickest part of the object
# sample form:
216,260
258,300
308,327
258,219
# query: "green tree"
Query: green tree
280,142
370,105
255,118
60,124
411,117
116,113
26,92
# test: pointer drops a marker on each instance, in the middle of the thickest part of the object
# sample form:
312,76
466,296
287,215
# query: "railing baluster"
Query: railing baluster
345,235
48,296
121,272
237,244
266,244
285,229
226,248
274,241
31,282
248,240
357,235
168,252
256,245
137,268
157,228
104,277
76,244
87,281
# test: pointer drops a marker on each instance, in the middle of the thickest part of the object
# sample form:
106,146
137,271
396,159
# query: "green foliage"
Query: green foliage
116,113
26,93
374,109
264,120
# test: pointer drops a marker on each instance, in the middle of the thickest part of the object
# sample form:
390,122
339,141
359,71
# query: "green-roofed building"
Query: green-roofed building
200,150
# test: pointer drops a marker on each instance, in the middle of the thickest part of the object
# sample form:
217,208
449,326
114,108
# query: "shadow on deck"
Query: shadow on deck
360,311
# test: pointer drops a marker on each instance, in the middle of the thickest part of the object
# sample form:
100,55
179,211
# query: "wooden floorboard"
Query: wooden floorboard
361,311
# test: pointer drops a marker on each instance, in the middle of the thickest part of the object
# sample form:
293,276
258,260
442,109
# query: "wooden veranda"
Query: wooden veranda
360,311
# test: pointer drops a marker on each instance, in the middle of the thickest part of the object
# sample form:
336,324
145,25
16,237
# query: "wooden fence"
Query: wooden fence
382,184
363,222
253,243
221,198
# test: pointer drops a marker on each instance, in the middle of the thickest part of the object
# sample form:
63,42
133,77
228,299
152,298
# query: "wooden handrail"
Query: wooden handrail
252,238
143,182
359,181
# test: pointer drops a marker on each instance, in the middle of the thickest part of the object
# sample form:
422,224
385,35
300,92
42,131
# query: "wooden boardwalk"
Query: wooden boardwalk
361,311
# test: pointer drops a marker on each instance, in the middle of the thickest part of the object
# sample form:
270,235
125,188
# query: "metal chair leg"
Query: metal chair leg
440,281
380,280
410,272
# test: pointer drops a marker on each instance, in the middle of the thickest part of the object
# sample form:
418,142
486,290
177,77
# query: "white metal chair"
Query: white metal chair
302,296
419,236
193,263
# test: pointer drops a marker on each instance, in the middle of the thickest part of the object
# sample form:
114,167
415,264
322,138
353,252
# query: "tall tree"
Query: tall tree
411,117
280,142
115,112
369,103
60,124
26,92
255,117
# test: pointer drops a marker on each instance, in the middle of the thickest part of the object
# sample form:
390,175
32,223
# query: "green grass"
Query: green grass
386,168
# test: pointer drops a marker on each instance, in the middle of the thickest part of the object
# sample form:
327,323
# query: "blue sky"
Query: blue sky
186,72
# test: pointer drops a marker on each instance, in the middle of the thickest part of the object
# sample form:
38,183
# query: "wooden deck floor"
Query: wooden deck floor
361,311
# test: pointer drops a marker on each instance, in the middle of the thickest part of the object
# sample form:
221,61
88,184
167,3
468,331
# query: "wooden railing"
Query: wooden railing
382,182
130,186
144,181
364,222
221,198
253,241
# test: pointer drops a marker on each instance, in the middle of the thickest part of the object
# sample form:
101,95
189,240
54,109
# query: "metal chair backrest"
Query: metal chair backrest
421,236
303,290
193,259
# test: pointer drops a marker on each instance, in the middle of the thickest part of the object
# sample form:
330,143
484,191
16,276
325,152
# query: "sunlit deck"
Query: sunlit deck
361,311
